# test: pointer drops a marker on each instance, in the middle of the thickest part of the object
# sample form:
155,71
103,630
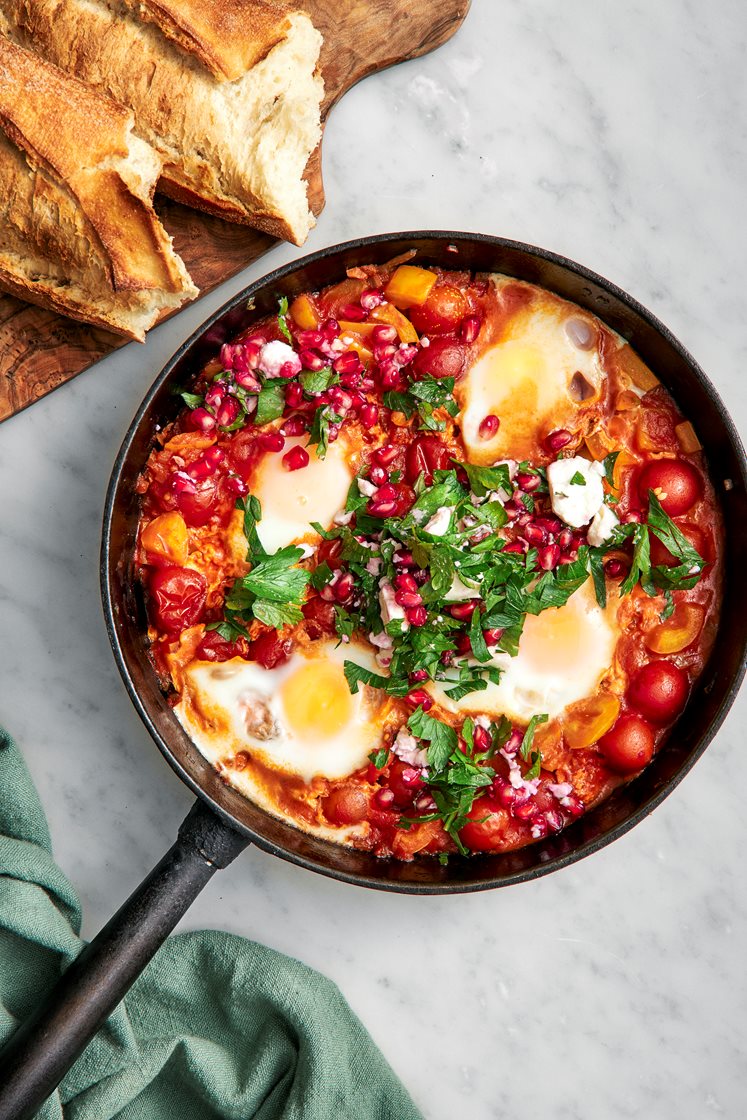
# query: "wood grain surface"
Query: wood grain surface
40,351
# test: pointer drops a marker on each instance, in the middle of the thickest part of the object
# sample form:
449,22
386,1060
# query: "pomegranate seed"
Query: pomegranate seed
632,516
447,657
215,395
353,313
528,482
513,742
418,676
384,798
247,380
296,458
381,508
548,557
392,379
492,636
408,599
411,778
183,484
227,412
202,420
327,593
554,819
549,524
378,475
271,441
540,828
425,803
384,354
416,616
504,793
515,546
558,439
614,568
370,299
419,698
405,582
469,329
386,455
349,362
384,336
351,380
293,395
201,469
340,400
330,329
369,414
463,611
343,587
565,539
420,576
526,810
463,643
488,426
387,493
404,559
237,485
523,519
310,340
310,360
534,534
481,739
573,805
294,426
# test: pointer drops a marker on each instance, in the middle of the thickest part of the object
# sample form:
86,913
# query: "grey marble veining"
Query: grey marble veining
614,134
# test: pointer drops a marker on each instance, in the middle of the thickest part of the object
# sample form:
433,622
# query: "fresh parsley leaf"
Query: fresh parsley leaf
356,674
192,400
227,629
609,466
596,564
535,767
641,559
270,401
283,318
669,606
441,737
317,380
479,648
399,402
379,757
277,578
276,615
578,479
526,742
670,536
324,417
482,480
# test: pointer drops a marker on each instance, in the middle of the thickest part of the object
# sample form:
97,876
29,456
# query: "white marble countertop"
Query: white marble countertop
615,988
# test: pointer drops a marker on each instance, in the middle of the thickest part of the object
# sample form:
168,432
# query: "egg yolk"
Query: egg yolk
316,700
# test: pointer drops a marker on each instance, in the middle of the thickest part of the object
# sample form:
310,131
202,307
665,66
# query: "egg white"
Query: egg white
525,380
563,654
238,705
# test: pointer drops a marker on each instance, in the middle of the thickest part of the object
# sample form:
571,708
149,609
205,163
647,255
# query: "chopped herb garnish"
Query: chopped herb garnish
283,318
578,479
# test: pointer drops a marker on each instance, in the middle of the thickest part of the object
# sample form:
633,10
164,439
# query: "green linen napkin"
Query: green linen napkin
215,1027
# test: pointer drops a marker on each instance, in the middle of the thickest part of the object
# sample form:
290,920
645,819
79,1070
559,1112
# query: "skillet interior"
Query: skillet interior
710,700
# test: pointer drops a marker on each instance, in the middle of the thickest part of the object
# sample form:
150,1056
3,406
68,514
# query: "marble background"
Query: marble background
614,134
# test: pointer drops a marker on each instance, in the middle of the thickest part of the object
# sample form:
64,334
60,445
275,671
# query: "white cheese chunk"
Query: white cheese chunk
439,523
274,355
602,527
460,591
391,611
575,502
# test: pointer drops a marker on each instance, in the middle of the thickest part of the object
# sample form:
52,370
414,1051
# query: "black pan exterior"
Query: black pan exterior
711,698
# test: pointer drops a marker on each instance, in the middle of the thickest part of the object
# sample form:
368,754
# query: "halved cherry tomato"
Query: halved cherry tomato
209,499
586,721
404,782
445,357
177,597
659,691
679,631
320,617
486,828
676,484
442,312
270,650
629,746
215,648
425,455
347,804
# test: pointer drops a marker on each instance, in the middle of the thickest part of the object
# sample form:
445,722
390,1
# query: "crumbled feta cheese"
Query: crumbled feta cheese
439,523
405,746
515,777
602,526
307,550
391,611
373,566
382,640
366,488
343,517
575,502
274,355
459,590
560,789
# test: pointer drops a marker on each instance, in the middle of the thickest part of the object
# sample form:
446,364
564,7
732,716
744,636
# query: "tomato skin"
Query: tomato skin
404,792
329,552
629,746
442,312
659,691
270,650
445,357
346,805
215,648
177,597
484,835
208,500
660,554
680,484
320,617
425,455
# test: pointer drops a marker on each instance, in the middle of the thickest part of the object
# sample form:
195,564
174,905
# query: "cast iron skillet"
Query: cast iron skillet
222,822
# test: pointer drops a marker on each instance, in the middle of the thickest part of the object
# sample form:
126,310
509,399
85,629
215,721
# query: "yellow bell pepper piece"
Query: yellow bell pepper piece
167,537
387,313
303,313
410,286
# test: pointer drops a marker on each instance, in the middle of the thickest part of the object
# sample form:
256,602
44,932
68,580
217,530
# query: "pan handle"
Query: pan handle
39,1053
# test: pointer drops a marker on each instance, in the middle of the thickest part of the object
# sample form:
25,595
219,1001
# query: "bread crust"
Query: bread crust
227,36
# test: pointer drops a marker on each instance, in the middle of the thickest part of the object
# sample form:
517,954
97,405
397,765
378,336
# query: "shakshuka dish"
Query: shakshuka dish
432,562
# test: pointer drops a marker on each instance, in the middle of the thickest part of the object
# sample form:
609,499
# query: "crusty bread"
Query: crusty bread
78,232
233,113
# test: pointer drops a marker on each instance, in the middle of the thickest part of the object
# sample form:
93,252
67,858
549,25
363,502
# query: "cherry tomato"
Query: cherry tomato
215,648
659,691
660,554
209,499
404,496
329,552
244,452
445,357
269,649
346,805
629,746
425,455
320,617
676,483
404,782
442,312
178,597
484,835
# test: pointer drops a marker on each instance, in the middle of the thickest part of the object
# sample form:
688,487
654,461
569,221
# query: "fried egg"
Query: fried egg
300,718
291,500
543,370
563,654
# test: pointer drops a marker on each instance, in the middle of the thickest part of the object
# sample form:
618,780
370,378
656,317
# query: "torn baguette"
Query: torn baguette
234,120
78,232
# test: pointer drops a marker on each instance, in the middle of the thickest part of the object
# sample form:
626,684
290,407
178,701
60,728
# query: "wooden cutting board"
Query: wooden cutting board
40,350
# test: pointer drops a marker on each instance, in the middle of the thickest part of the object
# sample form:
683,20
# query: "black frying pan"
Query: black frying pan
222,822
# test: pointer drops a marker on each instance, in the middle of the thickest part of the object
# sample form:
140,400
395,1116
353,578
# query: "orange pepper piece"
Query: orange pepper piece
679,631
303,313
410,286
387,313
166,537
588,720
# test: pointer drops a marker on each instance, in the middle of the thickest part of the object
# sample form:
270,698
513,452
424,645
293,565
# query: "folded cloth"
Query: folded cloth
215,1027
